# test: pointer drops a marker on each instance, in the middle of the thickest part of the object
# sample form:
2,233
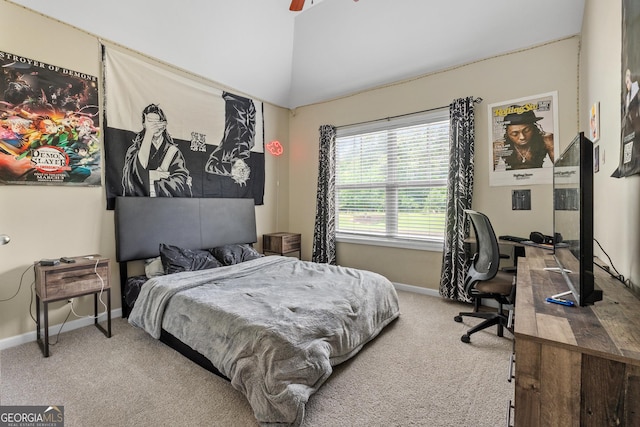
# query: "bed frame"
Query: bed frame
142,223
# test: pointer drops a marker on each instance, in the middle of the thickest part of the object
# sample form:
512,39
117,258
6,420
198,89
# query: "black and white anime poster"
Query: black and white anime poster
167,135
522,143
49,124
629,163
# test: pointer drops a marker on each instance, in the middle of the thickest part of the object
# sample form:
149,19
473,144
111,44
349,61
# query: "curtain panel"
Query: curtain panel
459,194
324,232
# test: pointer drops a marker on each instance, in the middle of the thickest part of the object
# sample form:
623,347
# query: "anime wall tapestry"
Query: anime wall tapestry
167,135
629,163
48,124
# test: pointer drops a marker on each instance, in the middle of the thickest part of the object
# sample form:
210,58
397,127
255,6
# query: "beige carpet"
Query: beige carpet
416,373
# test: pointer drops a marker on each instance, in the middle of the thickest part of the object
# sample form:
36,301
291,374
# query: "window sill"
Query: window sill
406,244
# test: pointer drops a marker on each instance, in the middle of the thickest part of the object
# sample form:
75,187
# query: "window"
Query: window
391,181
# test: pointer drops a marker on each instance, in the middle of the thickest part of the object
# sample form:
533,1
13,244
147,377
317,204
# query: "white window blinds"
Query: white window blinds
391,180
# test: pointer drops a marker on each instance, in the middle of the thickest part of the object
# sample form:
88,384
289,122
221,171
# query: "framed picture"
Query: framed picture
566,199
521,200
594,122
596,159
522,140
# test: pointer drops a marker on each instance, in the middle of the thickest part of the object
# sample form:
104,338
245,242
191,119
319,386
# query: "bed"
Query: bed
273,326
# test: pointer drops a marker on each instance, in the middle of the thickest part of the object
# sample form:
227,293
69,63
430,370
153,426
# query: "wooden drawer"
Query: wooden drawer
281,243
70,280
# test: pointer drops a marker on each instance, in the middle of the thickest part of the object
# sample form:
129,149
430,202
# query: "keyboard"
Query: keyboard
513,238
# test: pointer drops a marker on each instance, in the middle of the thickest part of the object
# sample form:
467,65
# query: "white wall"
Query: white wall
616,200
339,42
551,67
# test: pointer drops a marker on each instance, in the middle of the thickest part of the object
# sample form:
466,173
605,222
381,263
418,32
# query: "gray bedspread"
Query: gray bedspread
274,326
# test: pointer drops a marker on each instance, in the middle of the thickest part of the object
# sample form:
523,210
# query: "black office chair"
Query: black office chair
486,280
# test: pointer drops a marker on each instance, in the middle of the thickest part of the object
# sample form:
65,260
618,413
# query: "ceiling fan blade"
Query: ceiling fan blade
296,5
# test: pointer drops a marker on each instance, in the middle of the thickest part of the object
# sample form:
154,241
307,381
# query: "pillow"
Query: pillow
153,267
234,254
176,259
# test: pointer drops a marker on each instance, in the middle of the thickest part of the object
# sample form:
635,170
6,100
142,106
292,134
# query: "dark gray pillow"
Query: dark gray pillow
176,259
234,254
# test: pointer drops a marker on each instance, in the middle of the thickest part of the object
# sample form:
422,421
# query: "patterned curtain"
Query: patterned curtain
324,232
459,195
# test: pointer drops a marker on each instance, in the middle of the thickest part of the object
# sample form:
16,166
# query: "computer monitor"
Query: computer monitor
573,219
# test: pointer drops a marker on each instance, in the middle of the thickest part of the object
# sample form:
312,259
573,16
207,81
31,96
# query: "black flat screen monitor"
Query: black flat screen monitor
573,219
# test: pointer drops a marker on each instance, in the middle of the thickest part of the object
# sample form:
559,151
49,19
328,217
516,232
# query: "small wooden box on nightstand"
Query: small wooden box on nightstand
87,275
281,243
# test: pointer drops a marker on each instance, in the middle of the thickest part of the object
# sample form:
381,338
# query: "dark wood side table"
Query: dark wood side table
71,280
282,243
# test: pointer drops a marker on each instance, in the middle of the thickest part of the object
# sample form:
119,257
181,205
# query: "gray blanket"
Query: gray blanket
274,326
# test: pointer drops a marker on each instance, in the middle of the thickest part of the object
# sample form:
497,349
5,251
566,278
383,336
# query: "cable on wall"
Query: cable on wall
616,276
19,286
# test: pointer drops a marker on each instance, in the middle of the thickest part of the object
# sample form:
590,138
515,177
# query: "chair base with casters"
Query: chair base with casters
501,289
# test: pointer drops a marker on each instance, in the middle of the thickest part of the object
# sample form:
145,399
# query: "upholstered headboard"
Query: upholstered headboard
142,223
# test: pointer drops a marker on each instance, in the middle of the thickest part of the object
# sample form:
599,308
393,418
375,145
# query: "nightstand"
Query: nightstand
281,243
71,280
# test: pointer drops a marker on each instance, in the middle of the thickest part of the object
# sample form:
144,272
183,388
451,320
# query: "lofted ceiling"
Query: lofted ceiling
331,48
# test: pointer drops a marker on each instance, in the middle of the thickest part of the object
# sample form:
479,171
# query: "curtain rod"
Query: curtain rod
475,101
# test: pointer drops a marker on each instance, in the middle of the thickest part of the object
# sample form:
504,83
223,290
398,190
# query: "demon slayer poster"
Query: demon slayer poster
48,124
167,135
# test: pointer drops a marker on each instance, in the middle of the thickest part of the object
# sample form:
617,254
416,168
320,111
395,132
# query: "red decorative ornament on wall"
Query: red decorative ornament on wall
275,148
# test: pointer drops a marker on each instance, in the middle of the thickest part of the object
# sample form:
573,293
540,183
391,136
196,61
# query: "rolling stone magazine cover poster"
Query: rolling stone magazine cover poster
522,140
167,135
49,124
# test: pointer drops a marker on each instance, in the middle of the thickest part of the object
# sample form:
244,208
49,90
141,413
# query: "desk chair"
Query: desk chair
485,279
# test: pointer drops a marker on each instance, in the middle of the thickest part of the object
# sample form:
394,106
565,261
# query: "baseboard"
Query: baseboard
79,323
435,293
416,289
53,330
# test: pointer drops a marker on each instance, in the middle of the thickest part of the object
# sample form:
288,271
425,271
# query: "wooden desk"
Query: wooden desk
574,366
